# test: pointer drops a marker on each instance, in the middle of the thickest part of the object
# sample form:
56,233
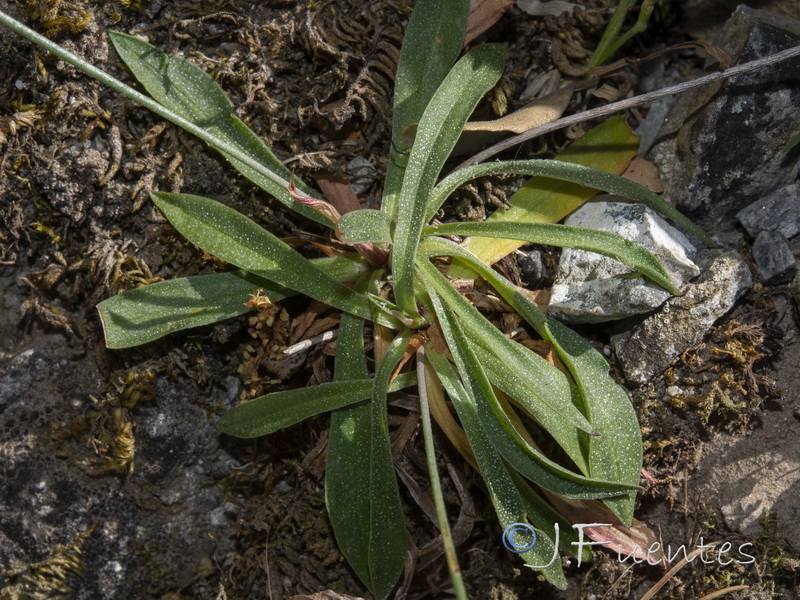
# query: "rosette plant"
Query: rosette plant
487,391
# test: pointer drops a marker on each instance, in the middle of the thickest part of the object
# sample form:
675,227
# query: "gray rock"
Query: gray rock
722,144
778,211
683,320
532,265
590,288
52,494
774,258
362,174
743,515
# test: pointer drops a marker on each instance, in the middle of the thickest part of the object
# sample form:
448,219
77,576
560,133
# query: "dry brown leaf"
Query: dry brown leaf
339,192
482,15
479,133
644,173
637,541
538,113
608,92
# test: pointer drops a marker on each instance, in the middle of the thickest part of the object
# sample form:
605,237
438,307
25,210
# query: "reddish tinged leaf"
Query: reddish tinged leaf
339,192
321,206
482,15
637,542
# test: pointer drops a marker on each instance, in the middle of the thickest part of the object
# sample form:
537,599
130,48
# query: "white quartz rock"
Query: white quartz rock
590,288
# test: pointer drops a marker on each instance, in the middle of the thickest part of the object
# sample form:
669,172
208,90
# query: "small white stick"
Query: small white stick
305,344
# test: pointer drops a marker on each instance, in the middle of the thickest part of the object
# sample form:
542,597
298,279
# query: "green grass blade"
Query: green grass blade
234,238
193,94
385,520
269,413
526,459
792,143
431,45
508,504
609,244
438,131
347,471
150,312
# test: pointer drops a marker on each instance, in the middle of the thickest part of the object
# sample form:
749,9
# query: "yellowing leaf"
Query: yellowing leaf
609,147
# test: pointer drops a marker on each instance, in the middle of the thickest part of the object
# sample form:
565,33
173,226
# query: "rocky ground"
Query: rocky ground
116,483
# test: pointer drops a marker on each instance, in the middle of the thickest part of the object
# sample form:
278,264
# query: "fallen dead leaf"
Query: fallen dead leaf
644,173
482,15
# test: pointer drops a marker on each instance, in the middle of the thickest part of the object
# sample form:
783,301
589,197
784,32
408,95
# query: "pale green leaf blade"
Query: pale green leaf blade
509,505
193,94
563,171
269,413
431,45
438,131
347,471
616,453
386,523
529,461
234,238
150,312
364,226
609,244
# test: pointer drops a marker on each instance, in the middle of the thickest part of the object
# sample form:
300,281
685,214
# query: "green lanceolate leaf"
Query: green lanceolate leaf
526,459
234,238
152,311
267,414
431,45
792,143
347,472
608,147
385,522
550,390
508,504
438,131
616,453
560,170
527,391
364,226
193,94
629,253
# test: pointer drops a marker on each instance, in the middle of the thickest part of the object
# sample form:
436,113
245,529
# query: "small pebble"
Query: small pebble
673,391
773,256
